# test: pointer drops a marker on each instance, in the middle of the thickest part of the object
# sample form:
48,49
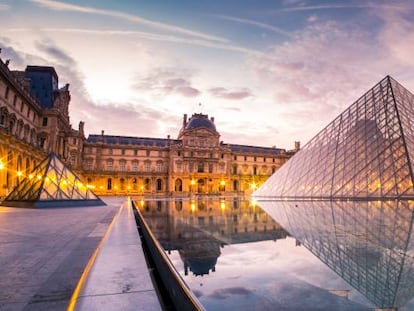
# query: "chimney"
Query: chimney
297,145
185,120
102,132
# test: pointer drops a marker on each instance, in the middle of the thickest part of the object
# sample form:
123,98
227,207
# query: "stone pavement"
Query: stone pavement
43,252
119,278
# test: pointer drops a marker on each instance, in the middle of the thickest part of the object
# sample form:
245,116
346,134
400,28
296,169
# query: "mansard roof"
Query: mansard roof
129,140
255,149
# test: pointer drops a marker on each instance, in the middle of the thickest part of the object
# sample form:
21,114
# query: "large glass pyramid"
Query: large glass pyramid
51,184
367,152
370,244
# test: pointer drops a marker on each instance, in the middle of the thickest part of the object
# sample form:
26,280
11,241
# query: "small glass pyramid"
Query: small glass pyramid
51,184
367,152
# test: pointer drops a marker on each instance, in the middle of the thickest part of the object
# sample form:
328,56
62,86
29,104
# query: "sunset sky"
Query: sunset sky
270,72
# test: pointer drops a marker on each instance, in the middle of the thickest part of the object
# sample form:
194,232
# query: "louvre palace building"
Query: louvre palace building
34,122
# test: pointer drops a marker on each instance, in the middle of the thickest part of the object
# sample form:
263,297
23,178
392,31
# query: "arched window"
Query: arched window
235,185
159,184
147,184
178,185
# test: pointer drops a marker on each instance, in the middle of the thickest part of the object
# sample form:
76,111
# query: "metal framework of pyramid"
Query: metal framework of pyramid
367,152
369,244
51,184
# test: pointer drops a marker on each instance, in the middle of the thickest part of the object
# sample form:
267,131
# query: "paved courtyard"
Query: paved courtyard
43,252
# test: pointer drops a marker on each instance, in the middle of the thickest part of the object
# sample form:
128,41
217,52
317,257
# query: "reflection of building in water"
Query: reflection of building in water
199,228
369,244
366,152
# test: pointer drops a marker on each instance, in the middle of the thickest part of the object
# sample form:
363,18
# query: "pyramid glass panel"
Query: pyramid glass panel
368,243
367,152
52,184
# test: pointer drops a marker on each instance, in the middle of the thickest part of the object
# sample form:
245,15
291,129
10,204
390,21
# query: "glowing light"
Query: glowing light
47,178
192,206
1,165
141,203
39,177
222,183
142,188
223,205
192,182
90,186
101,187
253,186
19,173
64,182
115,187
129,187
30,176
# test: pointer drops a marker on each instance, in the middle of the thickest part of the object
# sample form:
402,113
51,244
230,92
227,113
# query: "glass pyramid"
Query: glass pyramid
369,244
51,184
367,152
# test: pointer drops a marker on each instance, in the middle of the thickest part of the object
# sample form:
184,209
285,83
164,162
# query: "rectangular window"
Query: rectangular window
122,166
135,166
109,165
190,167
122,151
178,166
200,168
147,166
210,168
44,121
135,152
72,159
159,167
89,164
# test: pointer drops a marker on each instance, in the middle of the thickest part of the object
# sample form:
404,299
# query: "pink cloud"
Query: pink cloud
165,81
235,94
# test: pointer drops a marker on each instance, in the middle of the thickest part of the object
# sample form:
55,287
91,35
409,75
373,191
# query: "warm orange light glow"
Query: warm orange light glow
19,173
192,206
1,165
39,176
101,187
142,188
90,186
30,176
223,205
47,178
253,186
223,183
129,187
142,203
115,187
192,182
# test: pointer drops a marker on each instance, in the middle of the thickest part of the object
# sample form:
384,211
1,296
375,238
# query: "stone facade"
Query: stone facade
196,162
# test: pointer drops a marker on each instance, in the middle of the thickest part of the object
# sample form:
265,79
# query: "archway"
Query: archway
178,185
200,186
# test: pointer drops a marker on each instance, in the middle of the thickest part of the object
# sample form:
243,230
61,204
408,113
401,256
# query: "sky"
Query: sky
270,72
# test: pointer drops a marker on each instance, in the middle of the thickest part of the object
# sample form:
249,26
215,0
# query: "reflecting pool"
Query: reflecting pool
236,254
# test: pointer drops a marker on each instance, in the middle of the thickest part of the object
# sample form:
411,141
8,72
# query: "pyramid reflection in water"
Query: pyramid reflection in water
368,243
366,152
52,184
